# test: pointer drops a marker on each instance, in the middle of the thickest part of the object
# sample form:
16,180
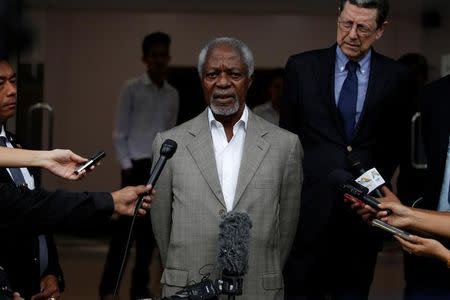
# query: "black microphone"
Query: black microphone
233,245
358,170
343,181
168,149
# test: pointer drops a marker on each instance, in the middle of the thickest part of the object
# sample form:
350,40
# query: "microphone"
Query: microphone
233,245
358,170
167,150
342,181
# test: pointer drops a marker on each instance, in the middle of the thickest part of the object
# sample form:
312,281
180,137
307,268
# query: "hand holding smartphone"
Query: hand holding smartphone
389,228
91,162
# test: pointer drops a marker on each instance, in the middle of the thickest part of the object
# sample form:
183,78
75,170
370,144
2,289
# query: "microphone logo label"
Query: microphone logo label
370,179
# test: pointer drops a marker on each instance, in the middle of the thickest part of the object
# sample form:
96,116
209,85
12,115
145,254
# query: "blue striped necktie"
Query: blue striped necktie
348,98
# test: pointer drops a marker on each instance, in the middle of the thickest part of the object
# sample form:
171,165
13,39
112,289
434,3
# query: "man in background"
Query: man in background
341,101
148,104
31,261
270,110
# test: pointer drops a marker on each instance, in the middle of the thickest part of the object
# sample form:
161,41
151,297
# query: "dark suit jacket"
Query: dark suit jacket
21,252
309,109
419,271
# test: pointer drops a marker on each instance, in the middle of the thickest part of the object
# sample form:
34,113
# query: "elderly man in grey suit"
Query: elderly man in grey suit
228,159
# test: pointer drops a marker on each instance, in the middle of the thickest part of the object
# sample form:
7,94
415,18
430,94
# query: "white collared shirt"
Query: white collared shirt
143,111
26,174
228,154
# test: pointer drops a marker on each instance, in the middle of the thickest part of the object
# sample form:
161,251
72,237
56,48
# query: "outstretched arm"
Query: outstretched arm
61,163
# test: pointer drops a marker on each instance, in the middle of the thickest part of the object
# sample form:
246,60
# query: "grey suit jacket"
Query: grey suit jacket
188,206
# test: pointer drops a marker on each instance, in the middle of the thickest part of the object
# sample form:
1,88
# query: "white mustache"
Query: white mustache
221,93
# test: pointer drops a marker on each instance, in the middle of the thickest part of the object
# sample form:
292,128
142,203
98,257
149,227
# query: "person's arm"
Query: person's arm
39,211
161,213
414,219
425,247
290,200
122,127
61,163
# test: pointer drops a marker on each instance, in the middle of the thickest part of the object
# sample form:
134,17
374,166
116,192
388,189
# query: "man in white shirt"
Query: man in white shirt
148,104
228,159
270,110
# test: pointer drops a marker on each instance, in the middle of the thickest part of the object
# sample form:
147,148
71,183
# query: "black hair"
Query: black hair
155,38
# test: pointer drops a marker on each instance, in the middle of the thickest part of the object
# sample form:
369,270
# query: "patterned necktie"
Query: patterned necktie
16,174
348,98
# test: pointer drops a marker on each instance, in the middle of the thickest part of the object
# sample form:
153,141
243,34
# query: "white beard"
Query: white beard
224,111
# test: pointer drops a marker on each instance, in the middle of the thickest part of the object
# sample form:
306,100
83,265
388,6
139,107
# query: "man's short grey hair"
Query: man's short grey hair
382,7
239,46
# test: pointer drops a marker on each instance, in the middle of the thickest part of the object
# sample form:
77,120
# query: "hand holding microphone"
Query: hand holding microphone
166,152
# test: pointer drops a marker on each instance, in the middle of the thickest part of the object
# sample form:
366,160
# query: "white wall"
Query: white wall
88,55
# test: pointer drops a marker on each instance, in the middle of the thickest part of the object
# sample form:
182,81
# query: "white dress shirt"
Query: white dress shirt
228,154
267,112
143,111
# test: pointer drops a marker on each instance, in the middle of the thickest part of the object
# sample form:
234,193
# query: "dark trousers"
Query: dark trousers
334,271
142,236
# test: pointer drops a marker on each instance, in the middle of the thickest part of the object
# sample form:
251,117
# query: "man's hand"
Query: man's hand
366,212
125,200
49,289
16,296
424,247
63,163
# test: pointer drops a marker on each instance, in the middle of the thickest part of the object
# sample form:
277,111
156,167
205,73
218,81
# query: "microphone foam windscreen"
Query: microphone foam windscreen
233,243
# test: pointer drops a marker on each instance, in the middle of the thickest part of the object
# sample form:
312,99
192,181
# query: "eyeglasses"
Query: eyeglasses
361,30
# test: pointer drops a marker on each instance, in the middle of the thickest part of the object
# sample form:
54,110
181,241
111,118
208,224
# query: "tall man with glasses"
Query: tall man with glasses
346,99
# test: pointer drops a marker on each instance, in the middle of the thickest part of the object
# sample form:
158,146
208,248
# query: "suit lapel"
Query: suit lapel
202,151
255,148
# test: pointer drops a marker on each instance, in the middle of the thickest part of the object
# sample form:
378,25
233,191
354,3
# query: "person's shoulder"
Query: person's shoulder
388,62
274,130
134,81
190,125
171,89
391,67
261,107
442,83
438,89
315,54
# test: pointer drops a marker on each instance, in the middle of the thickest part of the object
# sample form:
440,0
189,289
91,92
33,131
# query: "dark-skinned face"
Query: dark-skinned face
8,91
225,81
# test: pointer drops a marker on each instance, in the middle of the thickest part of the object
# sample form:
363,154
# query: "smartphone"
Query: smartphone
91,162
389,228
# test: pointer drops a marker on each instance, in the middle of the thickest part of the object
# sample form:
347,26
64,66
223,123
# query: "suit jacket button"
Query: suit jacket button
222,212
349,148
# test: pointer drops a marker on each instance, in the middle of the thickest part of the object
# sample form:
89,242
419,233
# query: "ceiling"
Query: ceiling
313,7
